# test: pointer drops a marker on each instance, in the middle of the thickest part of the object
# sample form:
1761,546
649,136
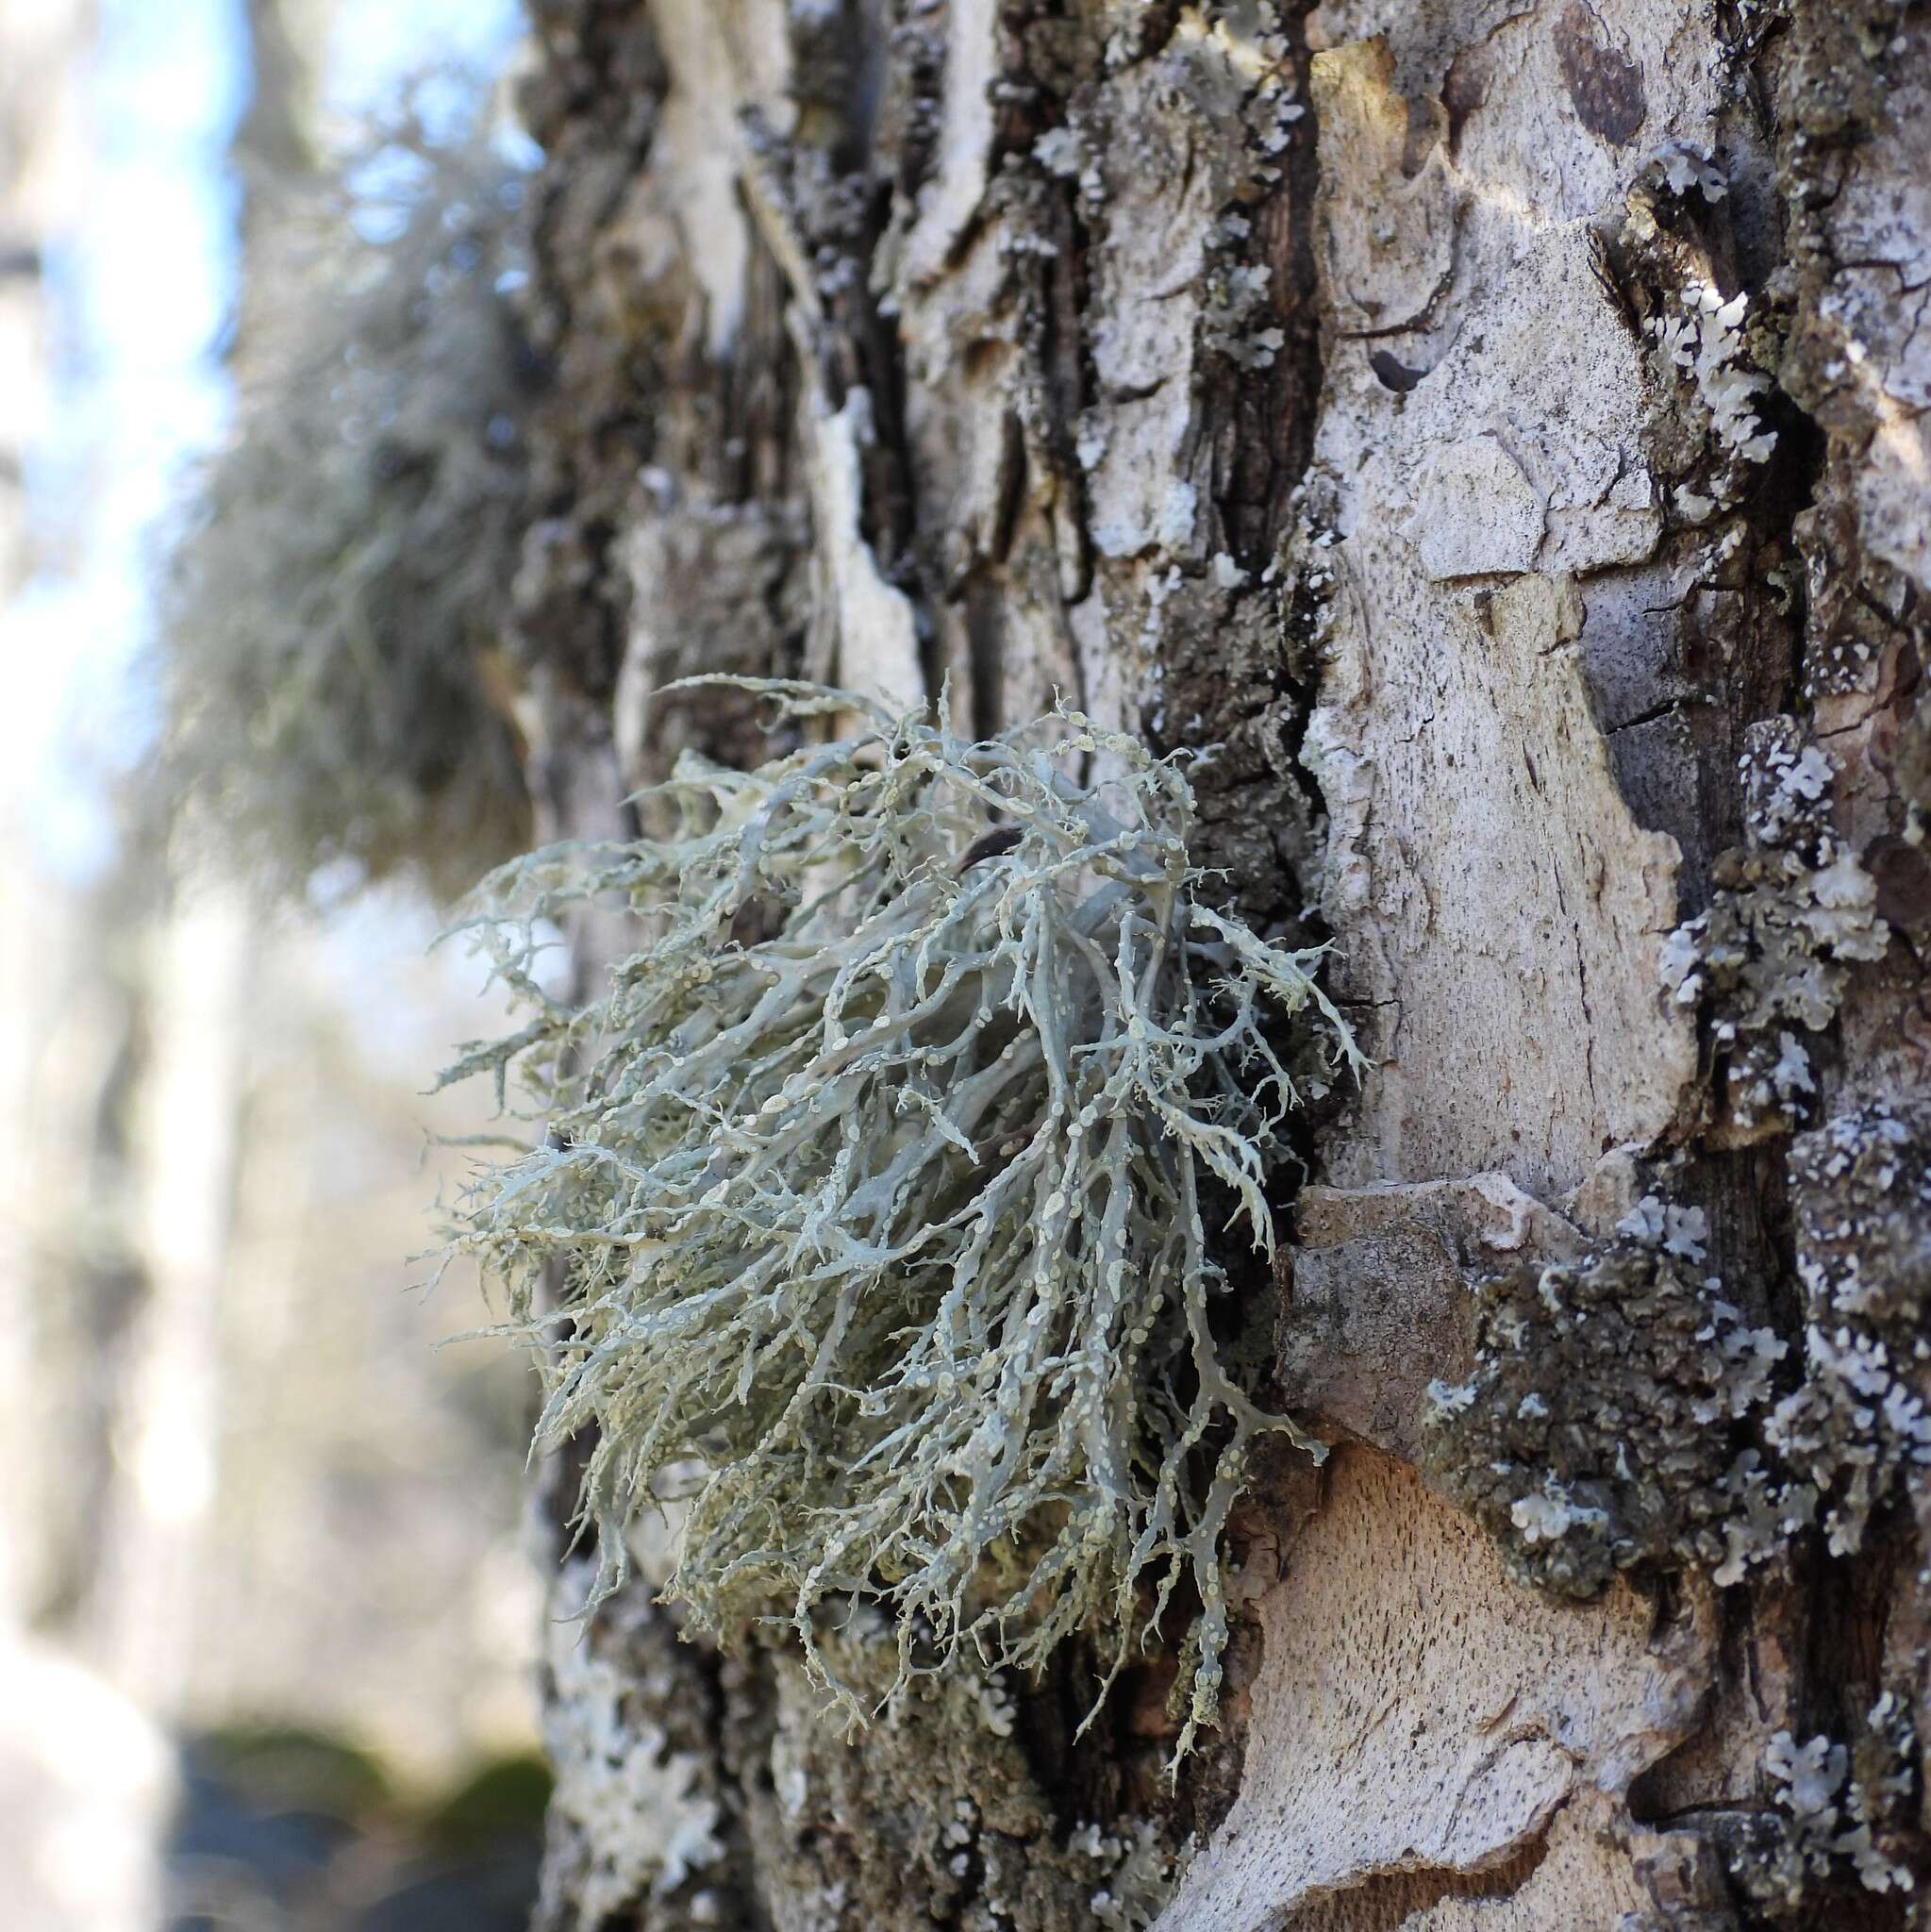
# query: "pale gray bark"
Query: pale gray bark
1481,422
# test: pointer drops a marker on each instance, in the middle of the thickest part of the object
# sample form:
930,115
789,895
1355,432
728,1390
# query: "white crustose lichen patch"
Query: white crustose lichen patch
645,1827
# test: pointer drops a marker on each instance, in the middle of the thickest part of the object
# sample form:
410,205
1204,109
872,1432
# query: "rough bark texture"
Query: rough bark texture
1498,431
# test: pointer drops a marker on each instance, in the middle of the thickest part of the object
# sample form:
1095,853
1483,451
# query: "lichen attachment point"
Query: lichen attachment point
880,1183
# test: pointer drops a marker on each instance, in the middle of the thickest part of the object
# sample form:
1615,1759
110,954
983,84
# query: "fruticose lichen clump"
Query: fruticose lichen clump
877,1193
337,690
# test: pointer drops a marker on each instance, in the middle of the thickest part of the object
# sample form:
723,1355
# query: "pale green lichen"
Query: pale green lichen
876,1187
337,690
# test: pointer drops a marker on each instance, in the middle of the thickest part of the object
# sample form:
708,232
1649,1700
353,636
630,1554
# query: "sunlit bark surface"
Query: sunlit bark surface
1497,431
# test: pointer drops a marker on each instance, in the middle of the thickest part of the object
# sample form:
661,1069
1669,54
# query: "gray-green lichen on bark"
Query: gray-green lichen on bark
1599,1431
1791,912
884,355
877,1187
1857,1430
1708,188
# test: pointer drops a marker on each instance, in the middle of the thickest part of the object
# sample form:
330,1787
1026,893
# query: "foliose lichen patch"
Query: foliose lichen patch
1840,1813
1622,1415
1791,912
1605,1426
1714,345
1857,1428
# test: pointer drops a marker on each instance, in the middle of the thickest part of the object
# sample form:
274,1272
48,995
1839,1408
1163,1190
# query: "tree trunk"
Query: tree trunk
1496,431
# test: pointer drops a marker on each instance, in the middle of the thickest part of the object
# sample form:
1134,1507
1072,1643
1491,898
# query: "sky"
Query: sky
139,290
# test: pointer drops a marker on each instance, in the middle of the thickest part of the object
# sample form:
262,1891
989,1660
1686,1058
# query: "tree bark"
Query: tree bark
1494,435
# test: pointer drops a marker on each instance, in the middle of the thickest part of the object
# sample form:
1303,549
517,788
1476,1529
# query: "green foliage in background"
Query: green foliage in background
873,1216
336,693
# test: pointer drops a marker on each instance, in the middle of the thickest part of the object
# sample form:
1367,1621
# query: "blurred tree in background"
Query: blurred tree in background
260,1526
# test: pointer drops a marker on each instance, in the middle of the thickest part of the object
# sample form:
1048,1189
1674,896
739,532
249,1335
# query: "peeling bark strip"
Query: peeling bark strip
1419,1717
1494,435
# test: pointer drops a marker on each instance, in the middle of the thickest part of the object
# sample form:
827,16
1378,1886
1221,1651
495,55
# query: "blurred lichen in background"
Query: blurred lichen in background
336,690
262,1532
